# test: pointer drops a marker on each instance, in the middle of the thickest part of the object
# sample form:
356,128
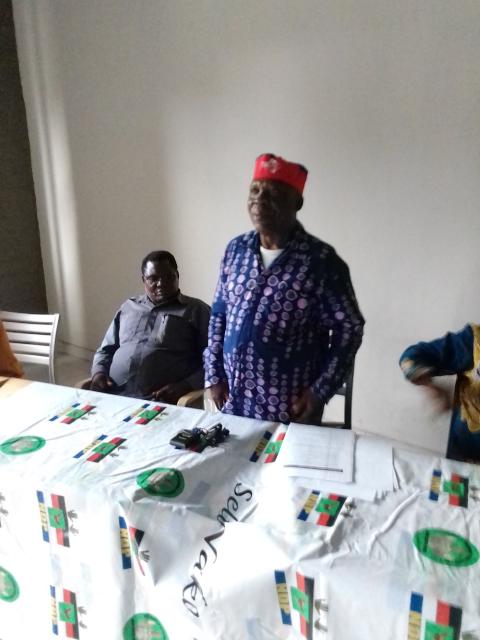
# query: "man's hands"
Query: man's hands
102,382
306,406
217,395
171,393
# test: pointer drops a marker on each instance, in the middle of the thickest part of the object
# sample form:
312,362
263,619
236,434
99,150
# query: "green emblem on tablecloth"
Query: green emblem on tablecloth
75,414
144,626
454,488
104,448
148,414
274,447
445,547
162,481
434,631
67,612
9,590
326,505
21,444
300,602
56,518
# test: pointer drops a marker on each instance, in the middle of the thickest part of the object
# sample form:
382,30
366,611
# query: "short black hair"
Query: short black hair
159,256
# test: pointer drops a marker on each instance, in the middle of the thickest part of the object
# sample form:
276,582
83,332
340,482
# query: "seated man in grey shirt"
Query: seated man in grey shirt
153,347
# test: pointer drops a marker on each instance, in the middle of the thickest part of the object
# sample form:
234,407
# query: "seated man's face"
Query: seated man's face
160,280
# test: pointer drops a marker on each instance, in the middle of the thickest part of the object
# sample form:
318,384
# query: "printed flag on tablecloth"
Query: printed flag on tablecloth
144,414
100,448
431,619
296,602
268,446
455,486
65,613
130,541
323,509
54,518
73,413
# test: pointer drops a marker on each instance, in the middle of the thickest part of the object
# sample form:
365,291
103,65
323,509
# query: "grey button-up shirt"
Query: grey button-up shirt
148,346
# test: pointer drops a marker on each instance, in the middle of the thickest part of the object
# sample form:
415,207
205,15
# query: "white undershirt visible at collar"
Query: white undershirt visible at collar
269,255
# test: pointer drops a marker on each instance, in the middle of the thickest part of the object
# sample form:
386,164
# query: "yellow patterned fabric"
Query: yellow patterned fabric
467,390
9,365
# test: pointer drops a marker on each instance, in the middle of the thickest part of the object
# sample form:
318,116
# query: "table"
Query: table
108,532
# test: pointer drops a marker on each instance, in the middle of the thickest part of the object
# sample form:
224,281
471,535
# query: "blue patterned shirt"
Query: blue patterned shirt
274,332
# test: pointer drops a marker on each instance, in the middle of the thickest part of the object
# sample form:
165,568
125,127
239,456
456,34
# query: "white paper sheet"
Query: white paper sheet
373,472
319,453
374,463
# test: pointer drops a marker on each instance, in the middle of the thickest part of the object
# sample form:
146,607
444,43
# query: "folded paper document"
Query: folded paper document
318,452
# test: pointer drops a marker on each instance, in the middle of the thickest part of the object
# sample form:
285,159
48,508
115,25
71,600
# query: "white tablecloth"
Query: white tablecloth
108,532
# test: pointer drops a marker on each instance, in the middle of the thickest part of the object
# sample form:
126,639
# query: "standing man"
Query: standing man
285,324
153,347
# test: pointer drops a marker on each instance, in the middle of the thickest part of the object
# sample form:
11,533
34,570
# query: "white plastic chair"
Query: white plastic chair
32,338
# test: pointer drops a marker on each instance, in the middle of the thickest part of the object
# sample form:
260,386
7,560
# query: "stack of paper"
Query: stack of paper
316,452
337,461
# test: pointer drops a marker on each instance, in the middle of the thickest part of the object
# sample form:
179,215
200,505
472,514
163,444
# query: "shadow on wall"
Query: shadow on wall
22,284
57,207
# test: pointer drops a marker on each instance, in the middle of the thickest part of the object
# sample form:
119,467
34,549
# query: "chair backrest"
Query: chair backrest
346,390
32,337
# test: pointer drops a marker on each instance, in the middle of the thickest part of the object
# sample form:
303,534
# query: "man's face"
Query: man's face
160,280
272,205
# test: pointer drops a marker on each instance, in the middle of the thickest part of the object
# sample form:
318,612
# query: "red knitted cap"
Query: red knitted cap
270,167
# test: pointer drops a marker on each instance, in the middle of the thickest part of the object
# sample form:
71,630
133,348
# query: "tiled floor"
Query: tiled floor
69,370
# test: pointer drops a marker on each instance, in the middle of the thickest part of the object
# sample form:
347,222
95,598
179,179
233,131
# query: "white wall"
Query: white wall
145,119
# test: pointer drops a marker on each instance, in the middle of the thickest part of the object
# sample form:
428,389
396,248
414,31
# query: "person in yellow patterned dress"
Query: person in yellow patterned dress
454,354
